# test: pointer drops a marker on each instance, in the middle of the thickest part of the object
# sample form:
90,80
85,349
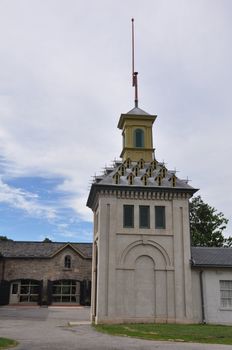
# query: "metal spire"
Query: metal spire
134,74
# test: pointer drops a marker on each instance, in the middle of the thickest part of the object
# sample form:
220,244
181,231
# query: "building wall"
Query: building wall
142,274
214,312
48,269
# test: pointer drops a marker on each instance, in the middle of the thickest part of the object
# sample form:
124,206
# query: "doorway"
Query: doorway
25,291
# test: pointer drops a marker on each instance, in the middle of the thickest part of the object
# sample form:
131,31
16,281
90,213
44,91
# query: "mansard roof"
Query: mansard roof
211,257
19,249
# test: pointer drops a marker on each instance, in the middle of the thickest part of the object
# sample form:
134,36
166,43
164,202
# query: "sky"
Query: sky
65,78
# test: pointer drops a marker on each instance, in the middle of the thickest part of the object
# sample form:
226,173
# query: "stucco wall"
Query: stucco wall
211,277
214,313
143,274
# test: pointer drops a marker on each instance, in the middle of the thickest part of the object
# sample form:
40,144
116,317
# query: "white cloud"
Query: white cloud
26,201
65,79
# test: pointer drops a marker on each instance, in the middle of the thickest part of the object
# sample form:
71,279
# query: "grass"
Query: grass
7,343
212,334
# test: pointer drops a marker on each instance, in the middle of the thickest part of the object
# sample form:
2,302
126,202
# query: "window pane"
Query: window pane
226,293
15,288
144,216
139,138
159,217
128,216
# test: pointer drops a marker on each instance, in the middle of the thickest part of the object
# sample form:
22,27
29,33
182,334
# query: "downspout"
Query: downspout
202,298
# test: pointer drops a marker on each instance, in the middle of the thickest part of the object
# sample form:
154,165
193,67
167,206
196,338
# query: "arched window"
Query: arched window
139,138
67,262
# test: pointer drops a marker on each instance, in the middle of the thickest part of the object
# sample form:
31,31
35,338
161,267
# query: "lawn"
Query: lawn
7,343
212,334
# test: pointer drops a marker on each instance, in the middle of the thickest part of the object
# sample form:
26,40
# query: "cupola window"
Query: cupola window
67,262
139,138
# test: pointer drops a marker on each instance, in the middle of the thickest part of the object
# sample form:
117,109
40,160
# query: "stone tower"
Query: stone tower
141,250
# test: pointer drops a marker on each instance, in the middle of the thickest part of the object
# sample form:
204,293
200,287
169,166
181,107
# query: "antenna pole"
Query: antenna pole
134,74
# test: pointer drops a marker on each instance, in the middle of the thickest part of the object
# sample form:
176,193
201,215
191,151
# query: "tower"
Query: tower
141,249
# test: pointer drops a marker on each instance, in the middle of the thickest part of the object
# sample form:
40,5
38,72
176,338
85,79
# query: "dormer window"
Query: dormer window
122,170
130,178
67,262
149,172
139,138
173,180
163,171
154,164
116,178
144,178
141,164
127,163
136,170
158,179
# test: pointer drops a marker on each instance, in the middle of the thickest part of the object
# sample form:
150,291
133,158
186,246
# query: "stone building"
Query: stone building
45,273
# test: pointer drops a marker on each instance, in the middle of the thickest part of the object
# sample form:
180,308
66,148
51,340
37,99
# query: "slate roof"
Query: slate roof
18,249
137,111
108,177
211,257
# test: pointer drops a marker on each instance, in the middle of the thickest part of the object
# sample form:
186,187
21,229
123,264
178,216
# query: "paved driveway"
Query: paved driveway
47,329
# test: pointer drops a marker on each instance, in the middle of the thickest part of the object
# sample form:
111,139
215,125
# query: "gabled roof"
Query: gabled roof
211,257
19,249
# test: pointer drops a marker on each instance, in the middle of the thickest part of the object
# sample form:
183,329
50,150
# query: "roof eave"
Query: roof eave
210,266
96,188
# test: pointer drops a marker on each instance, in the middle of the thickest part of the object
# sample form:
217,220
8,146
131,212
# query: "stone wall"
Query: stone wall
48,269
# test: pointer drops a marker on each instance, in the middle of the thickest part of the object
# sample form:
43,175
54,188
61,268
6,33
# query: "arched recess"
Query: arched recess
144,286
143,275
148,248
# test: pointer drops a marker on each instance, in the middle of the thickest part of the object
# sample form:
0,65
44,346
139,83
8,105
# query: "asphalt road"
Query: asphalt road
47,329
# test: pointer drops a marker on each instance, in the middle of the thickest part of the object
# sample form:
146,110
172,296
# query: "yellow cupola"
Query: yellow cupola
136,126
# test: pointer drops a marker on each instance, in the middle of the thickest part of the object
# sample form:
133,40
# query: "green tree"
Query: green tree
47,240
228,242
4,238
206,225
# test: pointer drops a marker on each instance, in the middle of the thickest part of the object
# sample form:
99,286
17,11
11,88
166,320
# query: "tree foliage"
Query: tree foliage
4,238
47,240
207,225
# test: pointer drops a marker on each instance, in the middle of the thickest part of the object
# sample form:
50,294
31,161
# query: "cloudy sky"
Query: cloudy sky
65,78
